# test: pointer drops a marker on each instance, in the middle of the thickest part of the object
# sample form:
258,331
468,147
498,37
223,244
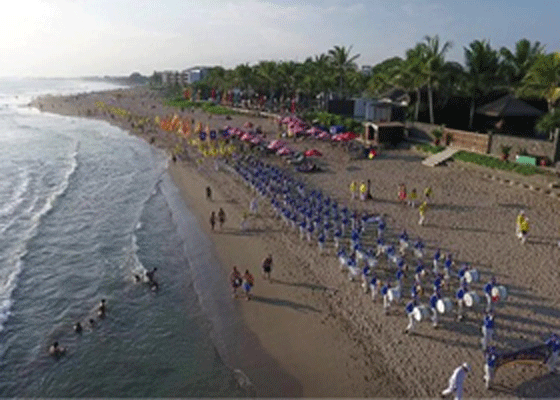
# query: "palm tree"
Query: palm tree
342,62
409,75
517,64
432,66
481,72
543,79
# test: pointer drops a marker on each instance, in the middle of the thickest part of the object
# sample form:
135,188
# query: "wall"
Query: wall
537,147
476,142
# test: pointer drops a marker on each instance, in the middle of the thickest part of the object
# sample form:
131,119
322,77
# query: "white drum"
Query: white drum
393,294
500,292
471,299
372,262
444,305
421,313
472,276
418,253
360,255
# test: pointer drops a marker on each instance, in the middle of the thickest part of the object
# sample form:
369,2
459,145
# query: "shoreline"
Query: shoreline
316,325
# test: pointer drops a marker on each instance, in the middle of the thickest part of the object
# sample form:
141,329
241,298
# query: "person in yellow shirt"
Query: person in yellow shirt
363,191
524,229
428,193
518,222
422,211
353,189
412,198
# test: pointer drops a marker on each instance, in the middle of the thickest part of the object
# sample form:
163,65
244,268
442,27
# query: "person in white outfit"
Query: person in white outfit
489,366
456,381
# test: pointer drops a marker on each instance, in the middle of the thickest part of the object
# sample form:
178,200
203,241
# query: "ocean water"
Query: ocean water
83,208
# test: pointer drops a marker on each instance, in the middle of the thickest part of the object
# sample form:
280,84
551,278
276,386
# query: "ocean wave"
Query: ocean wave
62,186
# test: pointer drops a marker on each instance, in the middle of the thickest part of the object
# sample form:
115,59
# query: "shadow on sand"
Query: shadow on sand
285,303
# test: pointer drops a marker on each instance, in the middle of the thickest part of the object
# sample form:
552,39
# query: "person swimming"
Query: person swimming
78,327
92,322
56,351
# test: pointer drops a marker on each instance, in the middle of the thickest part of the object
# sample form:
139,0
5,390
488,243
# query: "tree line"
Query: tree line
527,70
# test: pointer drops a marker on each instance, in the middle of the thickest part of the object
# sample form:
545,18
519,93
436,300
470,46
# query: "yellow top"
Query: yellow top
428,191
520,219
524,225
363,188
413,195
422,208
353,186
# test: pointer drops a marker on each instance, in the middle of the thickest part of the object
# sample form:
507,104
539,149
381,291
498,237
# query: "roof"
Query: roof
509,106
390,124
397,95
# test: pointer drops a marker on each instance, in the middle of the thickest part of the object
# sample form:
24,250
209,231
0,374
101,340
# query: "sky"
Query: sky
72,38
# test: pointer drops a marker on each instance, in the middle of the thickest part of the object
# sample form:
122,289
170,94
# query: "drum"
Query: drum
444,305
499,292
393,294
418,253
471,299
421,312
471,276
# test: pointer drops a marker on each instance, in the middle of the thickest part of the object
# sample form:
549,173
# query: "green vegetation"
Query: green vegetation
207,106
428,148
326,119
495,163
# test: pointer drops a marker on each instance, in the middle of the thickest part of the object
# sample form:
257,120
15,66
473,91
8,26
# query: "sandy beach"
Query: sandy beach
323,337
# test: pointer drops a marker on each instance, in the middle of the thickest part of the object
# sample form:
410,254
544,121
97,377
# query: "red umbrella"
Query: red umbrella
276,144
323,135
313,152
350,135
256,140
284,151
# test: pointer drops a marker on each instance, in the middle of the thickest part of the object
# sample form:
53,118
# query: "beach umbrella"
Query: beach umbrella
313,153
284,151
256,140
350,135
248,125
276,144
246,137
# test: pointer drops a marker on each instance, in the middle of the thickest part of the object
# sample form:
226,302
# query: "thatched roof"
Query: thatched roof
509,106
397,95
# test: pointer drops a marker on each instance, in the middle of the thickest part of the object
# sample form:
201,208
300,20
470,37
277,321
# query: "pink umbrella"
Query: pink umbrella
246,137
276,144
312,153
323,135
256,140
285,120
350,135
284,151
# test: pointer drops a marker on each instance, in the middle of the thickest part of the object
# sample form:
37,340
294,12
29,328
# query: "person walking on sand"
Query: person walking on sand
524,230
518,221
363,191
422,211
248,283
353,190
456,381
235,280
208,193
410,314
221,217
428,193
402,193
369,195
212,219
412,198
267,267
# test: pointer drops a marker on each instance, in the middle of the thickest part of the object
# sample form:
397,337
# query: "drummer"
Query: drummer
410,313
437,258
460,296
490,365
433,307
373,286
487,330
385,293
488,294
447,265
